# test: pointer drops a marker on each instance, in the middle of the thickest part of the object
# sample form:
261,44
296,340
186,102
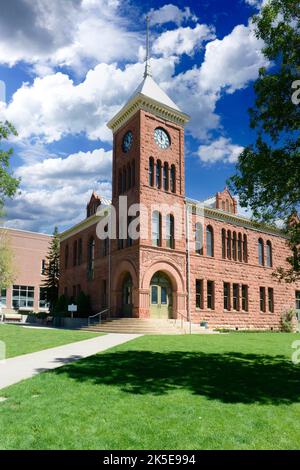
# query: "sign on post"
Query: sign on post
72,308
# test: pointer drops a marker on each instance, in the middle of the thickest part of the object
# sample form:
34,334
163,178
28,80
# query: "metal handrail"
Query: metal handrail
97,315
182,317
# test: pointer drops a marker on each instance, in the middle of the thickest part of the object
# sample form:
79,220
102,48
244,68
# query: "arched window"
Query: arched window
229,244
223,243
227,205
151,171
133,173
173,179
128,176
223,205
166,176
158,174
261,255
245,249
156,228
66,256
199,238
240,247
170,231
209,241
234,246
91,258
120,182
124,186
269,254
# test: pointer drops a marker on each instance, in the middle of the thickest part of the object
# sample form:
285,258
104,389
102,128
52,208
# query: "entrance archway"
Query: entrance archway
127,296
161,296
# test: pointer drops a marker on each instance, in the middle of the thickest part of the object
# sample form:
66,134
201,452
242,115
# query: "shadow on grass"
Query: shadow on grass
229,377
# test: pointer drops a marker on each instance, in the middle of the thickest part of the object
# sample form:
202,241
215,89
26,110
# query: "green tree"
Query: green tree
52,270
7,267
8,184
8,188
268,173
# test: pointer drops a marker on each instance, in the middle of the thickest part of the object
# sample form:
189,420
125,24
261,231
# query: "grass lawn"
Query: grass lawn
236,391
21,340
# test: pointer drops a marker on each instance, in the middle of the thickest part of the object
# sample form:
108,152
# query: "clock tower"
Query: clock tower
148,273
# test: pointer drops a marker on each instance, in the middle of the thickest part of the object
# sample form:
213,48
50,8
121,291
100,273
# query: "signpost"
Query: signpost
72,308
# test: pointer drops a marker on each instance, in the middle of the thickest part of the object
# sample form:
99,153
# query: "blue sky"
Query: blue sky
68,66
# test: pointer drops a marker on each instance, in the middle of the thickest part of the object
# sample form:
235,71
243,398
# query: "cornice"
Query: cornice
86,223
234,219
142,102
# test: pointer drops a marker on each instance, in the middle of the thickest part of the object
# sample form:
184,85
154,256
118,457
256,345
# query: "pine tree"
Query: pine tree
52,270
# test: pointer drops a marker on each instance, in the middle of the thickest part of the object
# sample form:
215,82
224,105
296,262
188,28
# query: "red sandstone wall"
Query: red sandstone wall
251,274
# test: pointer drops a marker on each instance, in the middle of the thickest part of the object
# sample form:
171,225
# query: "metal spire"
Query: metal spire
147,72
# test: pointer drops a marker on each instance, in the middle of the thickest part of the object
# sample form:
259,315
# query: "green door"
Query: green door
160,297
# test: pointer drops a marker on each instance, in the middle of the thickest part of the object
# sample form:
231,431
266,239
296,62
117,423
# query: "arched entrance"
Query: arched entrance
127,296
161,296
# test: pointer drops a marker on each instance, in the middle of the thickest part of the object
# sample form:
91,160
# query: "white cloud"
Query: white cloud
77,33
53,106
183,40
171,14
232,62
221,149
257,3
56,191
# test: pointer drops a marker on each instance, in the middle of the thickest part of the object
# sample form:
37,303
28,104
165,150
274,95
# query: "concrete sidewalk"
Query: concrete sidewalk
23,367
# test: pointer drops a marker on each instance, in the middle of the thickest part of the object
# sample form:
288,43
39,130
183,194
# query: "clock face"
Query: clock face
161,138
127,141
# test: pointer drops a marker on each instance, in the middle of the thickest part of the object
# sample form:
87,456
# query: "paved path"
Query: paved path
18,368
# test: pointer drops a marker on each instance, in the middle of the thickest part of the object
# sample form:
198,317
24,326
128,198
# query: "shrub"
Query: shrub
61,306
83,305
287,321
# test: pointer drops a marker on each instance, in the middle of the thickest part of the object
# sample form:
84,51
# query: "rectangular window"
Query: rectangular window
298,300
154,295
271,299
79,251
75,253
210,295
23,297
3,297
236,297
226,296
129,239
262,299
104,293
43,304
245,306
199,293
43,267
105,245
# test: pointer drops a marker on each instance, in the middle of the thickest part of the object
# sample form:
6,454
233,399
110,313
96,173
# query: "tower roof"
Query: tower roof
148,96
149,88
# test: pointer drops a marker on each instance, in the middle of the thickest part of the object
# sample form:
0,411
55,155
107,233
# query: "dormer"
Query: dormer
93,205
226,202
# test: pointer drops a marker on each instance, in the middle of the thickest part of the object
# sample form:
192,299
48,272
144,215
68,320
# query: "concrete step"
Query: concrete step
135,325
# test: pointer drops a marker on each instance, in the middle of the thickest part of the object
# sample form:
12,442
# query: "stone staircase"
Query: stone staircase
144,327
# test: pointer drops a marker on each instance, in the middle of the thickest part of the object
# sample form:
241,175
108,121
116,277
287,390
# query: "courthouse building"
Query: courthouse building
29,251
220,272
